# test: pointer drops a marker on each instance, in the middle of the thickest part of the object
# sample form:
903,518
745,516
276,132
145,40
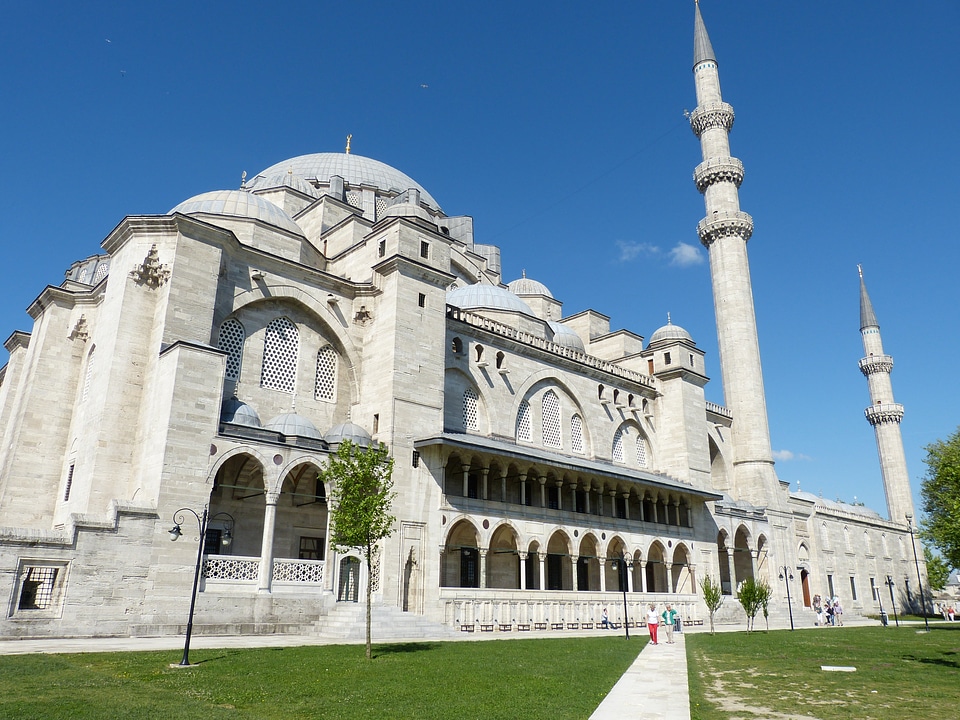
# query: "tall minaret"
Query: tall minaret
883,413
724,232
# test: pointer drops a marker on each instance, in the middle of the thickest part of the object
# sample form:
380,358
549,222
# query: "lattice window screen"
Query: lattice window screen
88,375
326,388
470,420
618,445
642,451
101,272
524,427
551,420
36,591
281,346
355,199
576,434
231,339
381,205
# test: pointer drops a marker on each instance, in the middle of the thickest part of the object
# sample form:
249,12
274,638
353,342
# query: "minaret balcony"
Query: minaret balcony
876,364
725,223
711,115
881,413
714,170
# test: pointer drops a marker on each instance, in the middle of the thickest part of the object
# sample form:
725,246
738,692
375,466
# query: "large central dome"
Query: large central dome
356,170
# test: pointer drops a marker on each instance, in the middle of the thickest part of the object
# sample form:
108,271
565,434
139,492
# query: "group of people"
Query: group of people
948,611
828,611
669,618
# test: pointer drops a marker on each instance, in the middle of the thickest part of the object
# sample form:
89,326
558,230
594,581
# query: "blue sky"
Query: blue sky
559,127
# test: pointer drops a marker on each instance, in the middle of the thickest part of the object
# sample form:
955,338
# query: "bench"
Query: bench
486,627
505,628
556,626
613,625
523,627
573,626
539,626
630,624
466,628
586,626
692,622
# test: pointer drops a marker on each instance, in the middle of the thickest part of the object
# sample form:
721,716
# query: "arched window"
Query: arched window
867,547
326,387
641,451
231,340
576,434
824,536
551,420
457,346
618,445
101,272
470,410
88,374
524,427
500,358
281,347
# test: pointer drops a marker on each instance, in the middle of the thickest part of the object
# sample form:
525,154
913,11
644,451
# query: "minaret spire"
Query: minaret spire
883,413
724,232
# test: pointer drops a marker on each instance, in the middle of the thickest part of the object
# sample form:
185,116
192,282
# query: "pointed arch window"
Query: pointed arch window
470,416
576,434
231,340
551,420
281,347
326,386
618,445
641,451
524,426
88,375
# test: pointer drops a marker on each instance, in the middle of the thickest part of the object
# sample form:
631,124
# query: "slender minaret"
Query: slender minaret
724,232
883,413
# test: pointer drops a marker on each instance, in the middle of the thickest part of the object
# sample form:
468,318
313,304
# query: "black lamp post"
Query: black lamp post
787,576
889,583
622,573
175,533
916,560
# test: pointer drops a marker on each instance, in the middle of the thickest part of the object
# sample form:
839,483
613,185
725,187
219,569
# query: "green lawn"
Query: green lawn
900,673
548,678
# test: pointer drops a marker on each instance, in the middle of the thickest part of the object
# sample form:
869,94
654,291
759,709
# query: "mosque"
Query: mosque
199,372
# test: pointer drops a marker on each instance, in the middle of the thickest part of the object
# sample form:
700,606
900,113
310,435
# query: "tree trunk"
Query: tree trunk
369,595
711,623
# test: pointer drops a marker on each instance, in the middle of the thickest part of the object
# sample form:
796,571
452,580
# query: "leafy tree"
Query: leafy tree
941,498
938,572
361,493
712,596
753,595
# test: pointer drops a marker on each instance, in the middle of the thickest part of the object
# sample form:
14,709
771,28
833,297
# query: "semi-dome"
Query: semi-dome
235,411
356,170
565,336
528,286
486,297
293,424
238,203
289,180
670,332
348,431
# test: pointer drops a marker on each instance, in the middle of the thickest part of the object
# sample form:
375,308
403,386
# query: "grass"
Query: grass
548,678
900,673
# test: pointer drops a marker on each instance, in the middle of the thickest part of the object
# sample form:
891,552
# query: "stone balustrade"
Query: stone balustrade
245,569
712,115
875,364
884,413
725,223
714,170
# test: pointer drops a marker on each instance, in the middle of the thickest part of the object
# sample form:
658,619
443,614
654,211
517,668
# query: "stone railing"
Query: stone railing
713,115
230,567
725,223
498,328
298,571
884,413
714,170
719,410
875,364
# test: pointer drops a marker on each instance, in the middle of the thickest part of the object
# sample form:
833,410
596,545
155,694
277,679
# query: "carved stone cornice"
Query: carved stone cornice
875,364
714,115
151,272
80,330
884,413
727,223
714,170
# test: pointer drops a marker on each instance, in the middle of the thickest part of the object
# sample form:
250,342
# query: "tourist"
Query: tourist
828,608
670,617
837,612
818,609
950,612
653,620
605,619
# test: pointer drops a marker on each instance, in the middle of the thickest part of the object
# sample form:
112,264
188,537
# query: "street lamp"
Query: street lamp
226,541
787,576
622,574
916,560
889,583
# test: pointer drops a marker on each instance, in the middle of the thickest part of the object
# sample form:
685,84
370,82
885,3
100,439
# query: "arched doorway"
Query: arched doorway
461,567
559,570
683,580
656,569
503,560
723,561
742,555
348,587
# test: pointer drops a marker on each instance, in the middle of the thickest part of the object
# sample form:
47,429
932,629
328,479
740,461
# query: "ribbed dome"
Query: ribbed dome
293,424
233,410
670,332
348,431
567,337
526,286
356,170
238,203
486,297
289,180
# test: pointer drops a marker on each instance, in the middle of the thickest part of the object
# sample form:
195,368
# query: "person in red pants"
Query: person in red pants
653,620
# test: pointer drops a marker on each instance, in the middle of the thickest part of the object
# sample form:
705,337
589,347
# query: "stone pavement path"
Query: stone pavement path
654,687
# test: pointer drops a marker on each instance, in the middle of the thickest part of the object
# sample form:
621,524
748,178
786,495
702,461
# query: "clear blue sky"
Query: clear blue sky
559,127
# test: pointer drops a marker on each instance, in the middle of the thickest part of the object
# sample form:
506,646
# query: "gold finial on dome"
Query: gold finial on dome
243,180
523,273
349,138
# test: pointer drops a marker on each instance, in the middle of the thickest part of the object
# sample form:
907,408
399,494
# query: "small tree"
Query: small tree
938,572
361,493
940,491
752,596
712,596
765,593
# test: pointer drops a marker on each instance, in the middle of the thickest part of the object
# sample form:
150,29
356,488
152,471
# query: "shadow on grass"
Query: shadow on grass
403,648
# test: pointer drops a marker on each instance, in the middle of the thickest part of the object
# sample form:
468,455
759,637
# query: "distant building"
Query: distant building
214,357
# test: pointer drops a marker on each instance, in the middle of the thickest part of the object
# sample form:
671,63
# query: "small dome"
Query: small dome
293,424
233,410
238,203
670,332
486,297
527,286
348,431
289,180
565,336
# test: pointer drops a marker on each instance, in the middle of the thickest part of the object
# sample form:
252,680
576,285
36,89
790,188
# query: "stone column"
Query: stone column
573,497
733,571
327,563
484,473
523,488
626,505
543,491
523,571
265,573
466,480
573,564
643,576
613,503
559,484
600,499
483,567
629,574
503,486
542,558
669,567
586,495
603,574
